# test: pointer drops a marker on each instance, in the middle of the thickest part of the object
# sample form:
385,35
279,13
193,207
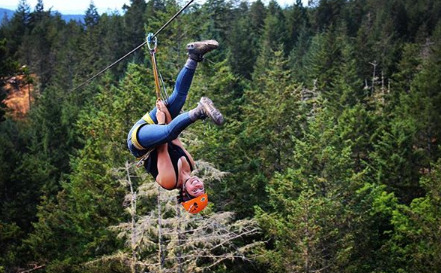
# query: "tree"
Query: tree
88,201
415,243
167,238
7,68
310,203
135,18
38,13
297,22
396,161
19,26
38,46
275,30
91,18
14,220
328,13
265,131
243,51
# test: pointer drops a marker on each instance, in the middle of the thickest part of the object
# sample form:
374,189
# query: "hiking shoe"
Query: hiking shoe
196,50
211,111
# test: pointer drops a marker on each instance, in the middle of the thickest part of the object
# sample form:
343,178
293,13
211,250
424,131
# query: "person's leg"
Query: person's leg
183,82
177,99
153,135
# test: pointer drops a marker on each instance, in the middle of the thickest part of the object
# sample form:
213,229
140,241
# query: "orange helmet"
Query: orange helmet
196,204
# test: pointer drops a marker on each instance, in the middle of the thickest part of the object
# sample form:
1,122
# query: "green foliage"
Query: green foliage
89,200
331,138
415,241
243,51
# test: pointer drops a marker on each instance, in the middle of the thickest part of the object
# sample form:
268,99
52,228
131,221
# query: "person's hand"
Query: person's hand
160,105
160,114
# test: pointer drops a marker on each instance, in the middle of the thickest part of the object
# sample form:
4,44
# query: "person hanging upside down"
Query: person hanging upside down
157,132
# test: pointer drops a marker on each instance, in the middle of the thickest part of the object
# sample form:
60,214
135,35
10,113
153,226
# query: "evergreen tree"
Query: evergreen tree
297,22
328,13
275,30
113,41
407,70
91,47
88,202
323,62
312,202
15,217
396,160
38,13
38,46
241,56
91,18
220,15
67,57
257,16
134,32
16,29
423,102
415,245
270,121
298,57
7,68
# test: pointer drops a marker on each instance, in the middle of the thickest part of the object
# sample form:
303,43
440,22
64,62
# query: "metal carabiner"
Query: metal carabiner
152,39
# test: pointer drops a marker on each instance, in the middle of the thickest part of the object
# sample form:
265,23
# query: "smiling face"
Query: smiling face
194,186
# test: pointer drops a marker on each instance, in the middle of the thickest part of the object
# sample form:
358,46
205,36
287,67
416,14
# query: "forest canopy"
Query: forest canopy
328,161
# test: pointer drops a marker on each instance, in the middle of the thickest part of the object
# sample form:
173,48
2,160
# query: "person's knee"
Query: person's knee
172,134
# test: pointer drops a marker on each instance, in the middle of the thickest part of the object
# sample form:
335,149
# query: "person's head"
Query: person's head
192,195
193,187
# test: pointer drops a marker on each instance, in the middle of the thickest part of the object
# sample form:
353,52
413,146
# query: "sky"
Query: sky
80,6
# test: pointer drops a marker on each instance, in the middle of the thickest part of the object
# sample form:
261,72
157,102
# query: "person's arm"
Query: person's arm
166,175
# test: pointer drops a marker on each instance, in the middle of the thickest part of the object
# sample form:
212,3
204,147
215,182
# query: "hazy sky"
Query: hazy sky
80,6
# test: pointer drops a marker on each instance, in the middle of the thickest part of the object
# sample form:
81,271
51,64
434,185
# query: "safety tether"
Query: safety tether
152,43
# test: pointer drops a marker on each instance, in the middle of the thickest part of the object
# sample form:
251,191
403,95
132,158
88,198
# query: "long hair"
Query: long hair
184,195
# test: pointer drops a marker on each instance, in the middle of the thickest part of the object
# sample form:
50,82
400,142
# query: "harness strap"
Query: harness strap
136,143
134,136
148,119
143,158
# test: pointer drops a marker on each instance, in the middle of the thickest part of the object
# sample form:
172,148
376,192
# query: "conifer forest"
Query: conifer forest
329,159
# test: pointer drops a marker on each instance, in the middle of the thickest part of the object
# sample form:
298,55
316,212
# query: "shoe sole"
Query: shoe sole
196,46
212,112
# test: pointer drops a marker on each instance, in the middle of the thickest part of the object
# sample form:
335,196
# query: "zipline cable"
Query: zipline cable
135,49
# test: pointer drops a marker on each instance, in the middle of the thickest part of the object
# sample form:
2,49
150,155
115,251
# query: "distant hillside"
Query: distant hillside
67,17
73,17
5,12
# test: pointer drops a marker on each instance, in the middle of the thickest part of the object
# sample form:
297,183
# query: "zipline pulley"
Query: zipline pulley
152,42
